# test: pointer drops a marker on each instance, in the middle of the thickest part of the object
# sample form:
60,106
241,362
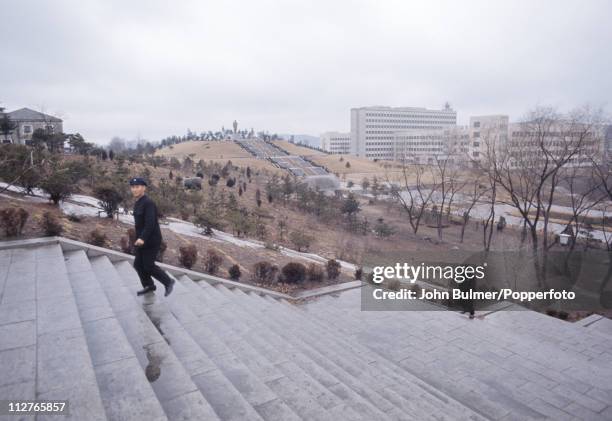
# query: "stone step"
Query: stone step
45,338
64,365
226,352
278,353
20,283
440,373
603,326
71,327
552,357
329,374
5,262
18,334
558,334
193,404
214,368
232,335
322,360
417,396
176,392
219,342
413,389
518,331
124,388
270,346
258,336
277,380
506,383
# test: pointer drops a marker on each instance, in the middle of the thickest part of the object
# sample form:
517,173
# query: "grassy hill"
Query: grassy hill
294,149
218,151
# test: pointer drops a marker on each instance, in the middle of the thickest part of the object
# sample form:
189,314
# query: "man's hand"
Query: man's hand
139,242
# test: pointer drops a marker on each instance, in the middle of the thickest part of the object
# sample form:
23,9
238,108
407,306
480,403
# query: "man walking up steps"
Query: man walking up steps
148,240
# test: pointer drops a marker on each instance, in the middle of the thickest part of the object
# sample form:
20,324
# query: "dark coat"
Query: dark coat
146,223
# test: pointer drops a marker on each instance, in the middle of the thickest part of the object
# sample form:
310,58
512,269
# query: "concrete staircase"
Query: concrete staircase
72,327
296,164
511,365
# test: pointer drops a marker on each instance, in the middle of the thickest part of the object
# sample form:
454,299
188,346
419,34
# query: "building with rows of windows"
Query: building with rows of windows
533,144
425,146
373,128
336,142
422,136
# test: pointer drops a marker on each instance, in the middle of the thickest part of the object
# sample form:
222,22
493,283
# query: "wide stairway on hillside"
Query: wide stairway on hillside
72,328
295,164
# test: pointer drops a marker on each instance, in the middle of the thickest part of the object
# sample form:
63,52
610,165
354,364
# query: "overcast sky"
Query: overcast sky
154,68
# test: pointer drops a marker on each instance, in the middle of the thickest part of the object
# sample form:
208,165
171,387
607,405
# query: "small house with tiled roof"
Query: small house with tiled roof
26,121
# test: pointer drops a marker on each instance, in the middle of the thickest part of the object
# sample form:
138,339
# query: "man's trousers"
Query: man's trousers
144,263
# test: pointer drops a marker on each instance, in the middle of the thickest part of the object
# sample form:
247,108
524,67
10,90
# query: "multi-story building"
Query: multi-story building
459,144
530,144
26,121
373,128
421,136
336,142
425,146
419,146
486,134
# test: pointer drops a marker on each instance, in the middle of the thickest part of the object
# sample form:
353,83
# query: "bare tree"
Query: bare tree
584,193
604,228
456,184
490,220
16,165
474,194
6,126
574,143
117,144
527,168
413,198
445,183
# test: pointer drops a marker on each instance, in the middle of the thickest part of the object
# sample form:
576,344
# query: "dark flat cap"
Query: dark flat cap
138,181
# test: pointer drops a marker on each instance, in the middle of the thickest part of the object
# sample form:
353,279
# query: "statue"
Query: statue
235,124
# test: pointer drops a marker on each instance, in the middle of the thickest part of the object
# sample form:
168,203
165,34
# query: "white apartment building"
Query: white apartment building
373,128
336,142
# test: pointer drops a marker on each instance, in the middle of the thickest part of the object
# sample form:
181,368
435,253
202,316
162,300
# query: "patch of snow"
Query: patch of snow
85,200
16,189
83,205
70,208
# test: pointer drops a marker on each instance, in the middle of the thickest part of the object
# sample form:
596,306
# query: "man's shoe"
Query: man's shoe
169,288
145,290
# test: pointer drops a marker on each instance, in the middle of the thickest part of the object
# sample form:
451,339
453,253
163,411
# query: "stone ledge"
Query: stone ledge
68,244
328,290
29,242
